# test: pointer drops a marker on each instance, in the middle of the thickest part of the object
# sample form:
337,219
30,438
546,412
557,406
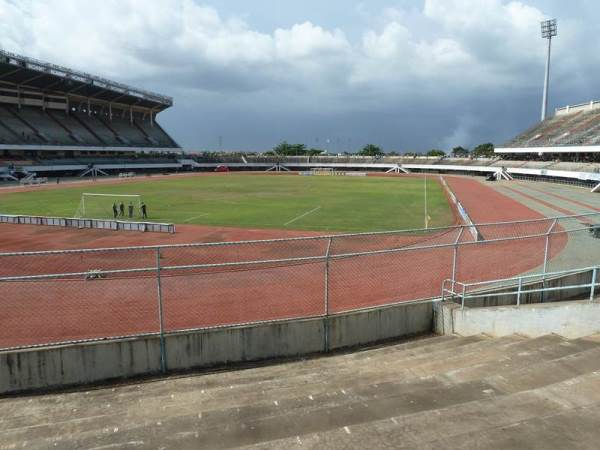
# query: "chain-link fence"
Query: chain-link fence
78,295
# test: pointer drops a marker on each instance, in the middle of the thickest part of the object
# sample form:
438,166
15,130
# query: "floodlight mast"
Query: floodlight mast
549,30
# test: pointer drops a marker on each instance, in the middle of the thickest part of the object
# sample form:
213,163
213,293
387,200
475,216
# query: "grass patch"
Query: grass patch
344,204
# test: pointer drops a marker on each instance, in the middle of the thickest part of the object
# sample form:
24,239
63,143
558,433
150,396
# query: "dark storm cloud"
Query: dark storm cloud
408,75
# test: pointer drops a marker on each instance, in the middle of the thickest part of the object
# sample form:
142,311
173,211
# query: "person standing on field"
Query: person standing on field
144,213
115,212
121,210
130,208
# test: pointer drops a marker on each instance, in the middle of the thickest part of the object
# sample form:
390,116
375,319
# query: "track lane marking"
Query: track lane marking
566,199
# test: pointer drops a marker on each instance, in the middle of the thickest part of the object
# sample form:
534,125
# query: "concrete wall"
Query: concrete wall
569,319
221,346
380,324
78,364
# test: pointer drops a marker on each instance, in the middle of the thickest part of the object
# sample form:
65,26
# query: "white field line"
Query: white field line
302,215
195,217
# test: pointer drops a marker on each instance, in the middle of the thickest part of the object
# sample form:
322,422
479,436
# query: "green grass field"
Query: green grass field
345,204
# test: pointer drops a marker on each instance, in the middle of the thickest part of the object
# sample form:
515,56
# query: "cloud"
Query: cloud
454,57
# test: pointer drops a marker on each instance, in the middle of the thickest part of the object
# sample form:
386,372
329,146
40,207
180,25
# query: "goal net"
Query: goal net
100,206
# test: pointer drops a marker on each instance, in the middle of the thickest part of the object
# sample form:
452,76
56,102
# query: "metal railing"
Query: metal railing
517,286
58,297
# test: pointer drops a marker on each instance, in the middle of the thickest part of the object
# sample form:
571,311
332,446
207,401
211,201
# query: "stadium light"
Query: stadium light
549,30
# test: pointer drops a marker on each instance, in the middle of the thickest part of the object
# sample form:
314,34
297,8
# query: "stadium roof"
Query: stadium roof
31,73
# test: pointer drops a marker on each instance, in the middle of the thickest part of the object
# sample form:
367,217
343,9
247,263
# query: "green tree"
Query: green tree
287,149
436,152
483,150
371,150
460,152
283,149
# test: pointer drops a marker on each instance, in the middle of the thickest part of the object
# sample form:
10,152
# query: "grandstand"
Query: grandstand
48,112
573,133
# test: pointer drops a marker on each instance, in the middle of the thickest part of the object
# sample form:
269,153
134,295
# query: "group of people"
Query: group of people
120,210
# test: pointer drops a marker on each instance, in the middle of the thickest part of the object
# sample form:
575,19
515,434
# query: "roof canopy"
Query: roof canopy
30,73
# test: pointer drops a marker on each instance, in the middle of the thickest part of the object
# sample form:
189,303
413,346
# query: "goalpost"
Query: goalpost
100,206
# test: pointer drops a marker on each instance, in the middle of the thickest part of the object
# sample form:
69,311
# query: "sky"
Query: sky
407,75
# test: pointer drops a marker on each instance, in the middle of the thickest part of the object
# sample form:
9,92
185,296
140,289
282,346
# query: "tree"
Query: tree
436,152
393,154
460,152
283,149
370,150
483,150
286,149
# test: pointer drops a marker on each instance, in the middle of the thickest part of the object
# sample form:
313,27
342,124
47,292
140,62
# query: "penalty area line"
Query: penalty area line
302,215
195,217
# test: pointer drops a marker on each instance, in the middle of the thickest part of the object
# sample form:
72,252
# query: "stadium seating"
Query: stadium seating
19,129
73,127
576,128
32,125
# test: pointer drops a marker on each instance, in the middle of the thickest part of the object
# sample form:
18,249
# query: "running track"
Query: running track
53,311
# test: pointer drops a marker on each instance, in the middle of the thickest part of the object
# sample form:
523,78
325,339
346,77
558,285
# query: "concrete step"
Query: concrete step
464,387
529,354
576,429
460,424
490,355
217,388
316,384
533,376
249,425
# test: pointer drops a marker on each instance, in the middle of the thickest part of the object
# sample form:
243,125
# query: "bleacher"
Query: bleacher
44,105
31,125
570,126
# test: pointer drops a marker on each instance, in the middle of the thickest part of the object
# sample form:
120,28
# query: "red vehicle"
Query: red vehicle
221,168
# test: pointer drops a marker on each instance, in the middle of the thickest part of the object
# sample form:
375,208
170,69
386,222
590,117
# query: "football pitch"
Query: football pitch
312,203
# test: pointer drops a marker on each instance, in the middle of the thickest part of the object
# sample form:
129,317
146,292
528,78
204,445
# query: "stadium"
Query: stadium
359,292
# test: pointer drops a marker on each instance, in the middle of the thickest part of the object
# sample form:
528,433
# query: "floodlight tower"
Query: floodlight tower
549,30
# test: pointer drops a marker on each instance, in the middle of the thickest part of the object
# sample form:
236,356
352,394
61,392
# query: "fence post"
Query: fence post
546,248
519,291
163,350
326,299
593,287
462,302
455,257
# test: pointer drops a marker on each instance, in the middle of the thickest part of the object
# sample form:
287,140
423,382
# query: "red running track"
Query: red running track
72,308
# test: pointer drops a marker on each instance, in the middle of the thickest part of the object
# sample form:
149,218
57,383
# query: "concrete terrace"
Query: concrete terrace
435,392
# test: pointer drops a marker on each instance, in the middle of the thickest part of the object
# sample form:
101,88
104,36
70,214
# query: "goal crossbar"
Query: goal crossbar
112,195
103,206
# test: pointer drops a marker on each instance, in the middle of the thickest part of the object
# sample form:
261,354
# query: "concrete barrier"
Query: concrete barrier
94,362
380,324
572,319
